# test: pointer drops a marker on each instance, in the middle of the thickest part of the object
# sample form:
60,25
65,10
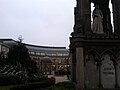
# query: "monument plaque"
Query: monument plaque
91,74
108,73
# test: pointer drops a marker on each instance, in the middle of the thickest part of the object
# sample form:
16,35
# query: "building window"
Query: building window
43,54
37,53
59,54
32,53
53,54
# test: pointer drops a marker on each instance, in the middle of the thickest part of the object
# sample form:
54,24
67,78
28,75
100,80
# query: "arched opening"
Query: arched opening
97,19
111,12
102,17
91,69
92,8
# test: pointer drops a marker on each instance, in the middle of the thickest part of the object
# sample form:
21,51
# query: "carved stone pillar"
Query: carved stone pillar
80,68
116,75
99,67
116,16
73,71
87,17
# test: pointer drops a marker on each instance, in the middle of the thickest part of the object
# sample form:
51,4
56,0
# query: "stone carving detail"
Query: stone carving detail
97,26
99,46
108,72
78,29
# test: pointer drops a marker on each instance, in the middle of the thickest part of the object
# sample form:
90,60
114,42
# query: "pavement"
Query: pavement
60,79
57,80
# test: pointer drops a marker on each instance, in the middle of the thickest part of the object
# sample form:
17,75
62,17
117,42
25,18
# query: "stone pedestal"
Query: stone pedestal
103,70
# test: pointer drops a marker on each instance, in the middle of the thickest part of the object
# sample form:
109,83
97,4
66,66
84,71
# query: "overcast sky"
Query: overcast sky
40,22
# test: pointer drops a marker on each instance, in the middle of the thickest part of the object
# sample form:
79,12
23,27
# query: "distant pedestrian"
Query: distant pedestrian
68,73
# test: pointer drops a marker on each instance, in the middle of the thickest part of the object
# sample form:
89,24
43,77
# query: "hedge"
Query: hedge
35,85
6,80
9,80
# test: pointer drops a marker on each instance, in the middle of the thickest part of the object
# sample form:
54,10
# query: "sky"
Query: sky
40,22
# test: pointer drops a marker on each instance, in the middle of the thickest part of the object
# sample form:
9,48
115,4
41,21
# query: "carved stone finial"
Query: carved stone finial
78,29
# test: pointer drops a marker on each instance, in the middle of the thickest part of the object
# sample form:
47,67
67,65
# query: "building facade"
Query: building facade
59,56
53,58
4,49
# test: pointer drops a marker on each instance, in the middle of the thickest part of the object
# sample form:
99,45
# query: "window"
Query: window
42,54
37,53
32,53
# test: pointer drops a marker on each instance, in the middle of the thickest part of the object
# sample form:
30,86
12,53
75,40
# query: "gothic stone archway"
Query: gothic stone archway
83,40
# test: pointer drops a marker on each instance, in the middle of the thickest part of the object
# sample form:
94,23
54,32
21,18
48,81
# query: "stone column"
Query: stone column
73,71
118,72
79,68
116,17
116,75
100,82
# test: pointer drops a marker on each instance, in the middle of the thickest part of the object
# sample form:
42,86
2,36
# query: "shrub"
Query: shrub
35,85
9,80
61,72
36,79
18,53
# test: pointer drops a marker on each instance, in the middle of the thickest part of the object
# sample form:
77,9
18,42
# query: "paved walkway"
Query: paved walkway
59,78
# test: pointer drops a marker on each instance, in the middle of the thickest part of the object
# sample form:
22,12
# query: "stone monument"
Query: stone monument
95,52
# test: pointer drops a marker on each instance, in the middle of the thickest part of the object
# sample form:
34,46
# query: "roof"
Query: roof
47,50
44,46
46,60
4,45
38,49
8,42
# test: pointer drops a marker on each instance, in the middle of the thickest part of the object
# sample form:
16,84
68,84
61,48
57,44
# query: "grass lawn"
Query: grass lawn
63,86
5,87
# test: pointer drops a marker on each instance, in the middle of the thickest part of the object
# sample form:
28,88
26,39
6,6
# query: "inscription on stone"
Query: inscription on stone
108,73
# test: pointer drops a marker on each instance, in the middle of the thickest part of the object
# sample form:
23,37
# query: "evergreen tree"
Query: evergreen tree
2,59
19,54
